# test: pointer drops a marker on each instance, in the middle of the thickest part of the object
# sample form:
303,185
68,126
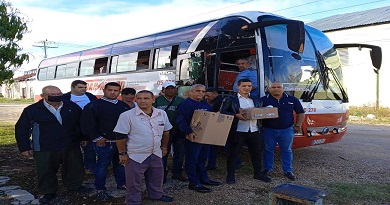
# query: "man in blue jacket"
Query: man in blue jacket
79,95
244,131
53,125
196,153
98,121
246,72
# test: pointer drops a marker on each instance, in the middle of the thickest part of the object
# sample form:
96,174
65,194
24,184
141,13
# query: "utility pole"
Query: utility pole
45,46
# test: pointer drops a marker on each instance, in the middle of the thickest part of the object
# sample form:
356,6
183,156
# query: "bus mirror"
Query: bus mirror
375,53
295,32
296,36
376,57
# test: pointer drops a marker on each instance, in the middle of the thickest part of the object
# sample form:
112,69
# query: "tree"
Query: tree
12,29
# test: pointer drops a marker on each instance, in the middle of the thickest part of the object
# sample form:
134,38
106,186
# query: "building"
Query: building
372,26
22,86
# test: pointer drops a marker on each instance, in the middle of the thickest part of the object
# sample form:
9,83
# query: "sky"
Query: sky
74,25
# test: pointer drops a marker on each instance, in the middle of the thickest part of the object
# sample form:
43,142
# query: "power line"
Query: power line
45,46
244,2
296,6
338,9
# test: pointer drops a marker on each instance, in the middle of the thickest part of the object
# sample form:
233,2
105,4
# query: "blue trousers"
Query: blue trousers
195,161
105,155
284,139
89,156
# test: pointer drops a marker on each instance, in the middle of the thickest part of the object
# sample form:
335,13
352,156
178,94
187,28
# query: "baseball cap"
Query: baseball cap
167,84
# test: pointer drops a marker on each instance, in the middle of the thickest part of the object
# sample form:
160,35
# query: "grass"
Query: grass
7,134
382,115
346,193
14,101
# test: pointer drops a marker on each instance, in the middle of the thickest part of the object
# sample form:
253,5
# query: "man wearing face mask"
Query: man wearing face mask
53,125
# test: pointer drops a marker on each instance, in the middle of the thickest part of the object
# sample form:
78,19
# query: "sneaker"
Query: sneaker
165,198
88,172
103,196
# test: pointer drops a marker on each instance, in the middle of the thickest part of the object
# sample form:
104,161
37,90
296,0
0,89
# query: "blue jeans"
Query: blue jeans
89,156
282,137
195,161
105,155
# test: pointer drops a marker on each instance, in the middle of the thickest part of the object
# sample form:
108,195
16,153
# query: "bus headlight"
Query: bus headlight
325,130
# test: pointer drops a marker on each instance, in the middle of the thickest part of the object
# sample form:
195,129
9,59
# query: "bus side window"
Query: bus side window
42,73
100,66
87,67
164,57
60,72
143,60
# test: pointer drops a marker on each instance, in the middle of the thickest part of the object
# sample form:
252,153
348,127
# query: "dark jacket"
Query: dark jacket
47,133
99,118
216,103
90,96
231,106
186,110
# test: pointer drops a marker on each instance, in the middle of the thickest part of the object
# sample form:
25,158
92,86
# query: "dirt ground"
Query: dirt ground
361,157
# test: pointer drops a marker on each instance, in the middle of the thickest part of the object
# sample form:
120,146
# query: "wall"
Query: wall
359,77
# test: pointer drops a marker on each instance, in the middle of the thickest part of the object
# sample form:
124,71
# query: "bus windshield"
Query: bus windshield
316,76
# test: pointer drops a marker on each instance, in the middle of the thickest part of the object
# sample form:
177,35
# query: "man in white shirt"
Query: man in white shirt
142,135
244,131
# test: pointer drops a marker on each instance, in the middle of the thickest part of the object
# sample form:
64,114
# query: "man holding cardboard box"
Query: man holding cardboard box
244,131
196,153
281,130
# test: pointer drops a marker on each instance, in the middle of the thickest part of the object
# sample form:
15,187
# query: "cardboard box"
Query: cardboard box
261,113
211,127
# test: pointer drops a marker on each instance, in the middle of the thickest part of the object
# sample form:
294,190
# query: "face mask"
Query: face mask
54,98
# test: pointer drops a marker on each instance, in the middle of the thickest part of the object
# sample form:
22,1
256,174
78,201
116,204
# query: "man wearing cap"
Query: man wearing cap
169,102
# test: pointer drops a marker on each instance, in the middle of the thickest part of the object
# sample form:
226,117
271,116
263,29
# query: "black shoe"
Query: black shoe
165,198
290,175
179,178
210,168
230,179
211,183
263,177
123,187
199,188
46,198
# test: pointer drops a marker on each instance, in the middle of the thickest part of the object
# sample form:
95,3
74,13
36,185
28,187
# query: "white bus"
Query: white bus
299,56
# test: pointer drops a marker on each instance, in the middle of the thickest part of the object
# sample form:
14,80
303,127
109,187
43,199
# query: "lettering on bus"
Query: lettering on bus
160,82
310,109
95,85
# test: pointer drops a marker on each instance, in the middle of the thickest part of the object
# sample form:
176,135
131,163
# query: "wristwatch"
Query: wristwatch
123,153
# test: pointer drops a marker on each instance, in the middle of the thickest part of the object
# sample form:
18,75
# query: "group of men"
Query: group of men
136,137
